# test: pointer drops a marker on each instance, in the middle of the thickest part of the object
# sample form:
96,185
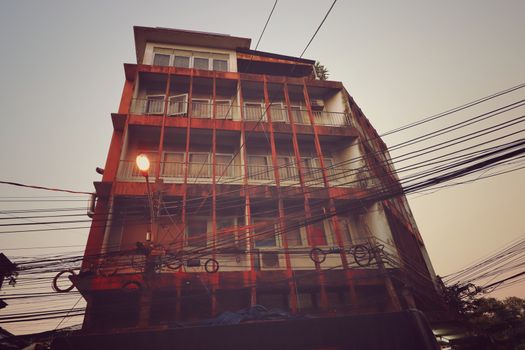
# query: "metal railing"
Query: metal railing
199,170
147,106
176,107
279,114
225,173
300,116
331,118
252,112
260,172
128,170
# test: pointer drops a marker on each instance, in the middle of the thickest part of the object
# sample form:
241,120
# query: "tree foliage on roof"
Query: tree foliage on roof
321,71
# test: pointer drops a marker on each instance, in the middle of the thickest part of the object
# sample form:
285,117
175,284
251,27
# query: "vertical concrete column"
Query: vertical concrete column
282,223
163,127
331,202
250,278
214,277
306,195
186,159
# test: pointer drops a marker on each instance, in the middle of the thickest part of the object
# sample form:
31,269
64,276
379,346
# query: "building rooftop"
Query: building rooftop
185,37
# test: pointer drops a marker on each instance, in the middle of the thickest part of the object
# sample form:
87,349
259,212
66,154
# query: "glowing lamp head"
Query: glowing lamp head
143,163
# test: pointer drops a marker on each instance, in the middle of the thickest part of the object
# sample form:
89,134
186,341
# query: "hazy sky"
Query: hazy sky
61,76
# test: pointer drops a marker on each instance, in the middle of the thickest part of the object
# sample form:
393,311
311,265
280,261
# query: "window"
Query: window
181,61
226,232
331,170
344,230
220,65
318,235
161,59
278,112
173,165
311,168
189,59
264,233
223,109
197,232
201,63
223,165
258,168
154,104
293,234
299,115
254,111
178,105
287,169
200,108
199,165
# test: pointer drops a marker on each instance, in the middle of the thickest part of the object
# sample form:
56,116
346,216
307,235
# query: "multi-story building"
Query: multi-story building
266,186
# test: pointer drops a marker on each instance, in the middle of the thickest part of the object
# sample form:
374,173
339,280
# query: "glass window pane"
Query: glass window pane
264,234
182,61
201,108
220,65
318,234
199,166
254,112
197,232
224,165
155,105
201,63
178,105
161,60
223,109
173,165
293,234
226,230
258,168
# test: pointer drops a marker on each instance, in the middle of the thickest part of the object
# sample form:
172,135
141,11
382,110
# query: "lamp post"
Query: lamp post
143,164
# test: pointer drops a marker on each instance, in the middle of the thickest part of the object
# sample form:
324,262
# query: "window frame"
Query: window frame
185,105
162,54
164,162
230,172
282,111
230,109
187,231
253,104
277,238
207,165
191,55
154,97
208,104
268,164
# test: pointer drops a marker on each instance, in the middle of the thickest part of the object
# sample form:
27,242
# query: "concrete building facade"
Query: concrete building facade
267,186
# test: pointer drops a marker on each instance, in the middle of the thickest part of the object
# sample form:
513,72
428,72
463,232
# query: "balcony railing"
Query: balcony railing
232,173
331,118
128,170
176,170
200,109
224,109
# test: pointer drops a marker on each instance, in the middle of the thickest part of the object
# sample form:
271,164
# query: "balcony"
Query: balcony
231,173
198,172
177,106
257,112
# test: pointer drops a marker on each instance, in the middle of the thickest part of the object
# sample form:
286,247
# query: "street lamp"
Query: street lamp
143,164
